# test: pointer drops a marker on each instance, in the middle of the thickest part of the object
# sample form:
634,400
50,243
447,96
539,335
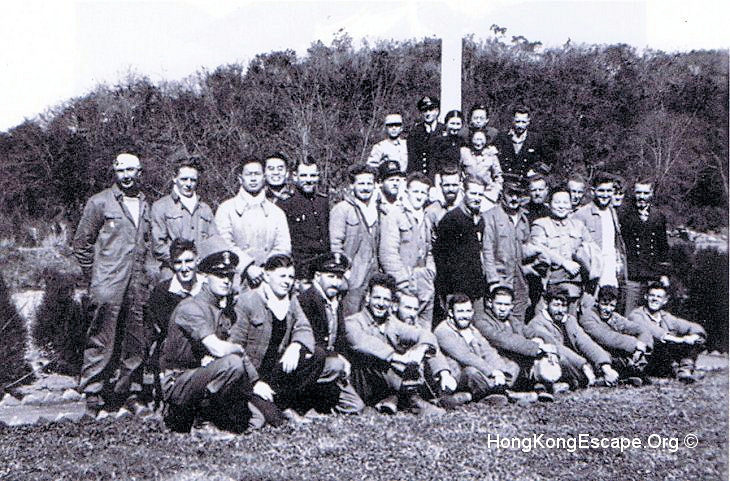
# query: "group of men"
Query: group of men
411,293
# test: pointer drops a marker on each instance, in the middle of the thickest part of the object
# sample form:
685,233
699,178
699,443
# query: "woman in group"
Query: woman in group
480,160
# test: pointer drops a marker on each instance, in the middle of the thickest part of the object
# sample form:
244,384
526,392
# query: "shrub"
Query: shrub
13,335
61,324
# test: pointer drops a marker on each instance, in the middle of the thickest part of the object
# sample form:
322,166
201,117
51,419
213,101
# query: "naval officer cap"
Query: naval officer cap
333,262
428,103
216,257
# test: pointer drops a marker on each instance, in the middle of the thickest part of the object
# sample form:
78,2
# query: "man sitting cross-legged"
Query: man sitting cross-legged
277,337
538,361
677,342
554,325
388,356
203,374
628,343
476,365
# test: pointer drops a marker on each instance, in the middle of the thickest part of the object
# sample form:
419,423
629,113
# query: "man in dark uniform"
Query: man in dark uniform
321,305
521,151
203,374
457,251
422,137
644,231
308,215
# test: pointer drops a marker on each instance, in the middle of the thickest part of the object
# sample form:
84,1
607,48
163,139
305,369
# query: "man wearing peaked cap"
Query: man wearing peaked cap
391,180
204,374
422,138
321,304
393,147
111,244
506,228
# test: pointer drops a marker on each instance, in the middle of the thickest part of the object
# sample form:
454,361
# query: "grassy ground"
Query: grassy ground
376,447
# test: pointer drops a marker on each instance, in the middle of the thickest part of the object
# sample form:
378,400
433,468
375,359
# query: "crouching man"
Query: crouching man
204,375
677,342
627,342
475,364
277,336
322,305
554,325
389,356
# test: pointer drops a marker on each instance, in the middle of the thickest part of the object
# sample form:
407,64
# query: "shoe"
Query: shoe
137,407
633,381
686,376
528,397
545,397
421,407
495,400
206,431
451,401
264,412
94,405
295,418
539,387
388,405
561,387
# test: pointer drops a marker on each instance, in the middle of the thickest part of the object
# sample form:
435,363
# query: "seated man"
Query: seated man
628,343
389,356
554,325
166,296
205,375
475,364
321,304
277,337
677,342
538,362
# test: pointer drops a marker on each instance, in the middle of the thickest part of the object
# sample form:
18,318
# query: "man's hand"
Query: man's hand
588,371
499,379
254,274
640,346
672,338
290,358
220,348
416,354
609,374
447,382
347,366
264,391
692,339
571,267
206,360
664,280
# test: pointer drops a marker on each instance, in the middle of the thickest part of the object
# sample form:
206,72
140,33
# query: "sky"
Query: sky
55,50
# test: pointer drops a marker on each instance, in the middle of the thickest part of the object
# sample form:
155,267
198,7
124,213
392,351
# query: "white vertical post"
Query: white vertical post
450,72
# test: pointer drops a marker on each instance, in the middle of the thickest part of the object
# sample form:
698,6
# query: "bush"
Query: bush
13,335
700,290
61,324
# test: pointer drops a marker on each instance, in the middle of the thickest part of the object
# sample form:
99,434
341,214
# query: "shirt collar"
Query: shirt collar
178,289
244,201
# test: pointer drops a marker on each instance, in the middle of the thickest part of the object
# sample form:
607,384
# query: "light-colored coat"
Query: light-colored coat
110,249
670,324
364,337
571,340
590,215
254,231
171,220
350,235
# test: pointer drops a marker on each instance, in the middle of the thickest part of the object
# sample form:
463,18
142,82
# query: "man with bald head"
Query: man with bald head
111,244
